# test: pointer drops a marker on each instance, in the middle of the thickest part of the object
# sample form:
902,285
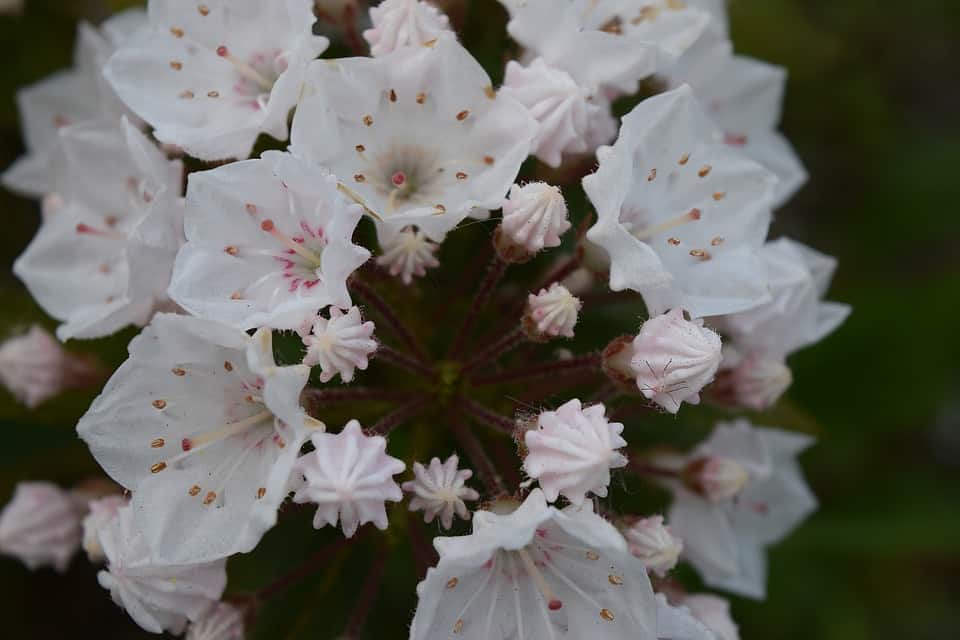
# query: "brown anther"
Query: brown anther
176,65
359,177
210,497
157,443
204,10
463,115
461,175
458,625
360,148
430,43
231,250
615,580
694,214
104,269
157,468
186,95
614,25
652,175
607,615
251,208
700,253
368,120
452,582
236,295
262,491
440,208
213,94
674,241
177,32
393,95
159,404
281,443
704,171
228,365
719,195
179,372
421,98
684,159
194,490
488,160
593,555
716,242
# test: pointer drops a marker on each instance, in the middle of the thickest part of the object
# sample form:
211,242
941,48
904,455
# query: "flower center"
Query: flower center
255,77
301,258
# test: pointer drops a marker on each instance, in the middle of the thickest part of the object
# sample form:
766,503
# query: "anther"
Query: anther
615,580
210,497
649,232
231,250
213,94
716,242
177,371
262,491
684,159
652,175
157,468
452,582
719,195
359,177
368,120
488,160
157,443
607,615
177,32
222,51
461,175
186,95
159,404
204,10
463,115
194,490
393,95
360,148
421,98
700,253
704,171
176,65
228,365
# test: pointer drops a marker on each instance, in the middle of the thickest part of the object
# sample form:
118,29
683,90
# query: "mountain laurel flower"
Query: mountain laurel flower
440,489
753,381
103,260
40,526
404,23
535,572
210,79
418,137
159,597
565,111
222,621
204,428
34,367
408,253
679,623
101,513
269,244
714,612
340,344
73,96
535,216
653,544
613,44
551,313
681,215
674,358
350,477
726,539
572,450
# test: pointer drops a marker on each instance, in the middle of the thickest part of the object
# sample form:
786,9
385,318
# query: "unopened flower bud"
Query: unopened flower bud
35,367
551,313
534,218
715,478
653,544
674,358
754,382
616,364
101,512
403,23
40,526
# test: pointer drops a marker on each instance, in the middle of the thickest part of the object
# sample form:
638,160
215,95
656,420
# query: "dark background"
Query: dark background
872,107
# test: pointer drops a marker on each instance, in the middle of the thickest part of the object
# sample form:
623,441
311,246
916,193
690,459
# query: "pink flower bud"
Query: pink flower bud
35,367
653,543
551,313
534,218
40,526
715,478
674,358
754,382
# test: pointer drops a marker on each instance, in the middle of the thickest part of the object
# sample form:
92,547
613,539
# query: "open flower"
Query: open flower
268,244
678,623
681,215
158,597
404,23
103,260
350,477
536,572
419,136
210,78
41,526
73,96
204,429
572,451
340,344
755,496
605,43
440,489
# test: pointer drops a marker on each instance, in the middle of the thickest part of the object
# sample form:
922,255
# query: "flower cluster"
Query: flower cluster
320,284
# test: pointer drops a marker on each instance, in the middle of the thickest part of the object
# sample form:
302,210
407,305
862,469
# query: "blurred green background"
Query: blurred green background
872,108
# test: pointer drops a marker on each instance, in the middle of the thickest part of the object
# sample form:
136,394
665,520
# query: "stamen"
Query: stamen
553,603
649,232
296,247
225,431
244,69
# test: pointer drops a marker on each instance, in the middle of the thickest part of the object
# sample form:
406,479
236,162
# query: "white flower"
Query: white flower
103,260
440,489
726,540
681,215
35,367
653,544
350,477
101,514
404,23
268,244
408,253
744,98
340,345
551,313
211,77
603,42
535,573
419,136
204,429
796,316
222,621
714,612
572,451
678,623
73,96
535,216
40,526
674,358
565,111
158,597
752,380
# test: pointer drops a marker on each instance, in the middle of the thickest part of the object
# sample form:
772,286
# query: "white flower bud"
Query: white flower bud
674,358
101,513
715,478
754,381
534,218
40,526
402,23
551,313
340,345
653,543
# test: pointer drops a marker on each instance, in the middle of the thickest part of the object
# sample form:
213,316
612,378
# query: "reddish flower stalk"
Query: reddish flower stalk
403,361
390,317
486,470
311,565
569,367
367,596
496,270
496,350
395,418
